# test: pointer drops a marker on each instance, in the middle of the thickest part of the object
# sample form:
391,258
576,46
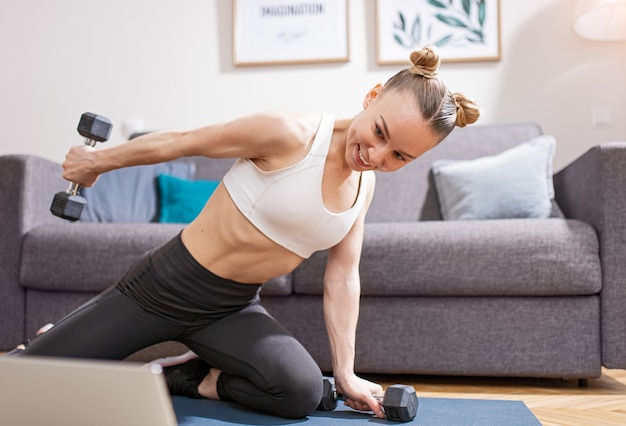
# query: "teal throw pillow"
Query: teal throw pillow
181,200
516,183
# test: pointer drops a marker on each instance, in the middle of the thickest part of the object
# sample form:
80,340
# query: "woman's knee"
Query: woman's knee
301,393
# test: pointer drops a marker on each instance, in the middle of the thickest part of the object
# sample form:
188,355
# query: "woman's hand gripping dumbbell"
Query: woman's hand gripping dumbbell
399,401
69,204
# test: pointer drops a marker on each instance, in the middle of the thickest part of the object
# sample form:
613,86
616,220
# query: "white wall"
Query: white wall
169,63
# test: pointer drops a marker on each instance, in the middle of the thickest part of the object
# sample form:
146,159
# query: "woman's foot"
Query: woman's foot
208,386
20,348
185,379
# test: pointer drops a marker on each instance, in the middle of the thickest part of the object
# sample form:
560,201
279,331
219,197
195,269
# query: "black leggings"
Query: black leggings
167,295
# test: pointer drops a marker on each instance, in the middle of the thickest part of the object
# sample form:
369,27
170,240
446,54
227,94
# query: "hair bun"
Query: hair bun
467,111
425,62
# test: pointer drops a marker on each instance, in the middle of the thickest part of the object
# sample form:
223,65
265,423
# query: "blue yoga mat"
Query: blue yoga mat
431,411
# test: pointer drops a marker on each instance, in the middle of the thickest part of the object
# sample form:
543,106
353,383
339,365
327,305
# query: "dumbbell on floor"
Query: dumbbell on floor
69,204
399,402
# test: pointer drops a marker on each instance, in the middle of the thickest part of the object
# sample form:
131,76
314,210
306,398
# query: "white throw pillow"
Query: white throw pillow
516,183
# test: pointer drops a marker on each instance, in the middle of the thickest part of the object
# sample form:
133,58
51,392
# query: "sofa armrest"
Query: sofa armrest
27,185
31,183
591,189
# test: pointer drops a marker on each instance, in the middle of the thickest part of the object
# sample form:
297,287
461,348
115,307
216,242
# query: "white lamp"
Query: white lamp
600,20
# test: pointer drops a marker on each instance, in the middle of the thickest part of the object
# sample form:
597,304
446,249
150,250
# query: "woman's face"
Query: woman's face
389,133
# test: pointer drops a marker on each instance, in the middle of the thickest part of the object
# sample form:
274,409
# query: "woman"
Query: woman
303,182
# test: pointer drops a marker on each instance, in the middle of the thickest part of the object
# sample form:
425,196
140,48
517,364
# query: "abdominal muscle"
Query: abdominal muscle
222,240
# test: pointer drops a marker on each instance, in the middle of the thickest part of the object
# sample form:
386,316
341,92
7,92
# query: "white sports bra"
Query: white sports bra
286,204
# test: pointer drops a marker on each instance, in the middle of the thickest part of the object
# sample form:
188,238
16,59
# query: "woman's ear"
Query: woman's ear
372,94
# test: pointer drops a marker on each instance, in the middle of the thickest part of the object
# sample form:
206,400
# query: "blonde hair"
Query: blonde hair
442,109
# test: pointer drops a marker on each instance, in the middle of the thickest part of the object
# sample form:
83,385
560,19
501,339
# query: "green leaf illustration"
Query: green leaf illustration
438,4
402,24
481,12
467,6
444,40
450,20
465,20
416,32
479,33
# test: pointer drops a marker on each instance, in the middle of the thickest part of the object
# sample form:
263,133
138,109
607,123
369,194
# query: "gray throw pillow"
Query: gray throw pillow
516,183
130,194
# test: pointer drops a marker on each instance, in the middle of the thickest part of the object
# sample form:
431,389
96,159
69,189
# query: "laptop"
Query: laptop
54,391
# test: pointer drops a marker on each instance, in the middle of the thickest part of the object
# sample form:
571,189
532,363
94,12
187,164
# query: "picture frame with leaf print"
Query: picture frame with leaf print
462,30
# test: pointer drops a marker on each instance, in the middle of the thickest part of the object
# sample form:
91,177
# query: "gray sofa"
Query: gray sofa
510,297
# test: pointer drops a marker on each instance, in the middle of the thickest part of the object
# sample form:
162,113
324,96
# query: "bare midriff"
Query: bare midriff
224,241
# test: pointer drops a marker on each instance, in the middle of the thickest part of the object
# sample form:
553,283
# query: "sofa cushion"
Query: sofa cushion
516,183
90,257
512,257
130,194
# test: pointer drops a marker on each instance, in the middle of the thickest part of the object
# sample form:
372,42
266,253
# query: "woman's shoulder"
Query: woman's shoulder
288,129
274,137
291,124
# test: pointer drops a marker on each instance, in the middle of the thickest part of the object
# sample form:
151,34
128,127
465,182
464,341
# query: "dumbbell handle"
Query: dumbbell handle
74,187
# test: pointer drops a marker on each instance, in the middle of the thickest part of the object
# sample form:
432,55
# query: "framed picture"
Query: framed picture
462,30
270,32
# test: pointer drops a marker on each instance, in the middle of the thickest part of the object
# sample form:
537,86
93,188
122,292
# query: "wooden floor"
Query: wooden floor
553,402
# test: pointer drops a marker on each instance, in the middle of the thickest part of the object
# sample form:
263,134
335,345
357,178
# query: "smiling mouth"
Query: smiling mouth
361,158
